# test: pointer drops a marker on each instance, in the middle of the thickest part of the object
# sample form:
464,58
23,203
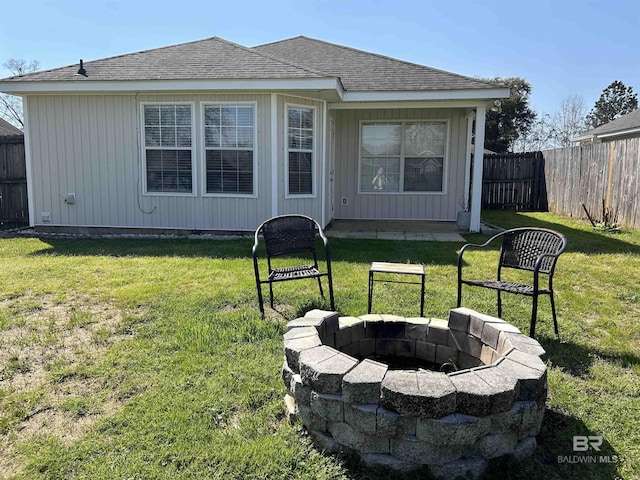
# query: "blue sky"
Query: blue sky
561,47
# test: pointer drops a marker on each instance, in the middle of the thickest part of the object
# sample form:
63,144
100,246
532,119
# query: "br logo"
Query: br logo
583,443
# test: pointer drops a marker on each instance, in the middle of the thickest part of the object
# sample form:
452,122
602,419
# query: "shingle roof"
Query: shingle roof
211,59
296,58
6,129
621,124
364,71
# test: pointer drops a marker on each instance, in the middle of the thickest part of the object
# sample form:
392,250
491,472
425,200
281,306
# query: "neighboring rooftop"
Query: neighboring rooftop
625,125
8,130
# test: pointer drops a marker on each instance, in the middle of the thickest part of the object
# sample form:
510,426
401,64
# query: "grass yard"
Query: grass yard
148,358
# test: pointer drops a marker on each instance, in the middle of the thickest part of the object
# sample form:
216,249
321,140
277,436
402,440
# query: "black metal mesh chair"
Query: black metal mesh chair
532,249
289,235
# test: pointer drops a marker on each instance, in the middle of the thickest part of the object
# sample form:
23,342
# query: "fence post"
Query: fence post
612,156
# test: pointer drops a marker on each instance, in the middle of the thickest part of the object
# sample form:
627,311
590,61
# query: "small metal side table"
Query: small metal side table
397,269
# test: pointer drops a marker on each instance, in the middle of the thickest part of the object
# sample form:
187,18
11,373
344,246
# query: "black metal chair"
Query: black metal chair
533,249
288,235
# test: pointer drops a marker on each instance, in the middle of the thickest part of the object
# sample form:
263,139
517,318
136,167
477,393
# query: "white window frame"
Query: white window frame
445,166
314,150
143,154
204,149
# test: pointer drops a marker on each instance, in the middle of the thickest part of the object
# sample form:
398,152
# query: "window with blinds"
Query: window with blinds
403,157
229,131
300,150
168,136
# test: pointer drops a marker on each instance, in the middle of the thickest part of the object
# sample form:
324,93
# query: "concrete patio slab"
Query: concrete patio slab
428,231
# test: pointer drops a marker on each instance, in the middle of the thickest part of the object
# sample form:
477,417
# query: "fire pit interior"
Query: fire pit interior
408,392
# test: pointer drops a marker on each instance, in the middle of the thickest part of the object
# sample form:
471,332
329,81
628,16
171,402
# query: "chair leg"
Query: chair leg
333,304
422,298
534,316
499,304
370,292
271,294
260,299
459,294
320,287
553,312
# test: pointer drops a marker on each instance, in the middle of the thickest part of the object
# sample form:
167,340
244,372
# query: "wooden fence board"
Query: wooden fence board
592,174
14,209
513,181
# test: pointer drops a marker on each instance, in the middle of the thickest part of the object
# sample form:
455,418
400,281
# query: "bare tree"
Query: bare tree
540,136
570,120
555,131
11,105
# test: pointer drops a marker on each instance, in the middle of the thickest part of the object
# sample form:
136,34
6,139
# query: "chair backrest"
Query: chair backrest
521,248
289,234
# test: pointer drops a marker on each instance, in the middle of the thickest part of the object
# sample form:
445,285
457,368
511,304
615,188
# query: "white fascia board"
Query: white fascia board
472,94
471,104
82,86
619,133
592,137
580,138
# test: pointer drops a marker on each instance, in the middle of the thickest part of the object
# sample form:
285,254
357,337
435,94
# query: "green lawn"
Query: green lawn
148,358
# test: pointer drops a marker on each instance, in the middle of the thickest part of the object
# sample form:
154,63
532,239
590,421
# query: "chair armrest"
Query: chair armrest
470,245
325,242
327,254
473,245
254,254
256,242
476,245
461,252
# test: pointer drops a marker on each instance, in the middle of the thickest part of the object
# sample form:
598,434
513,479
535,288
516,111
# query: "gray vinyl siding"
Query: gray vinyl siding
406,206
90,145
87,146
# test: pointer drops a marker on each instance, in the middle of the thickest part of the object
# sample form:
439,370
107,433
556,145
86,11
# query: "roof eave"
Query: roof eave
594,136
426,95
582,138
619,133
329,84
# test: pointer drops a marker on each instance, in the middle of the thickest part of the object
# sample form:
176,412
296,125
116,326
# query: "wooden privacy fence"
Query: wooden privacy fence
14,210
514,181
596,174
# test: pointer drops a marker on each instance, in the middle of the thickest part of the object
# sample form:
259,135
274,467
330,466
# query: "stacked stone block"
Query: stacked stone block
492,405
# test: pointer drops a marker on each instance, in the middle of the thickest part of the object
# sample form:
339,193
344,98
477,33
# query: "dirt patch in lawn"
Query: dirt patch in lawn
47,387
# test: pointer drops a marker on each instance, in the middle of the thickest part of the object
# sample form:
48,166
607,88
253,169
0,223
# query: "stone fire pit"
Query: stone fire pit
408,392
